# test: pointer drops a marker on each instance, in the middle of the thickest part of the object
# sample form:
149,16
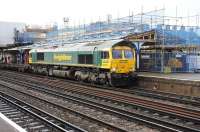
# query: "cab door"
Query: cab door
105,59
30,58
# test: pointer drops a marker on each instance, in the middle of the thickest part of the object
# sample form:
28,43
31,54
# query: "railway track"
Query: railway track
31,118
177,114
186,100
109,126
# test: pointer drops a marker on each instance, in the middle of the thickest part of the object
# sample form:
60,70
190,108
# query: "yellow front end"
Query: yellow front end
123,60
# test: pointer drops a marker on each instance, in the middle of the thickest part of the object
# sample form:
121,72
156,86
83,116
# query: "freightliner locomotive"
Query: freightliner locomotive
110,62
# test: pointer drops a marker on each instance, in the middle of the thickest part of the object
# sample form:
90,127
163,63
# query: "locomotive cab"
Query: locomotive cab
109,62
122,60
122,65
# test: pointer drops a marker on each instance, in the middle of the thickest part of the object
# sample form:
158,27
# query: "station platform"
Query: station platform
6,125
179,83
176,76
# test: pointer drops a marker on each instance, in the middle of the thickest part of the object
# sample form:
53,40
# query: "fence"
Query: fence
179,61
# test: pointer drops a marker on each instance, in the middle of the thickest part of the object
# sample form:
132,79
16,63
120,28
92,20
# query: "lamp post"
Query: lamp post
66,21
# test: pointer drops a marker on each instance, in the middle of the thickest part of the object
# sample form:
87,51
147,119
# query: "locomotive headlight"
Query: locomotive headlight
113,69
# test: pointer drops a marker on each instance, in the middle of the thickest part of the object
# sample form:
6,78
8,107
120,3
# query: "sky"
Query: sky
85,11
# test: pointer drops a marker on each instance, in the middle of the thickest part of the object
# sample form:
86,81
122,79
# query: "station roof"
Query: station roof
145,37
171,47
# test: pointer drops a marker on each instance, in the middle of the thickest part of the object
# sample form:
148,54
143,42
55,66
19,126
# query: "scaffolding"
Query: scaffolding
163,43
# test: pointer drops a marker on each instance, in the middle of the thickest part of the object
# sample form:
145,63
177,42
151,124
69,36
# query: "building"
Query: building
7,32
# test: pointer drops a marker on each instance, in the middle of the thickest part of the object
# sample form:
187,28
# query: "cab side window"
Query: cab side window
104,55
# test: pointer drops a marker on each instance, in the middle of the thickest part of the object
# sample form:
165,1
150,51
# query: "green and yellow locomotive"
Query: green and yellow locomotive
104,62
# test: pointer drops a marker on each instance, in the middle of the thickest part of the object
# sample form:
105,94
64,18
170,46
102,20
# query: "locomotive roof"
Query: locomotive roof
84,46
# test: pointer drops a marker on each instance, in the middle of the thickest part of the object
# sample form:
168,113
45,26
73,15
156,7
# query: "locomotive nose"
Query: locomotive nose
121,66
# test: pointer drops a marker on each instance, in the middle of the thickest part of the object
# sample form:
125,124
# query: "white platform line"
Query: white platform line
12,123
